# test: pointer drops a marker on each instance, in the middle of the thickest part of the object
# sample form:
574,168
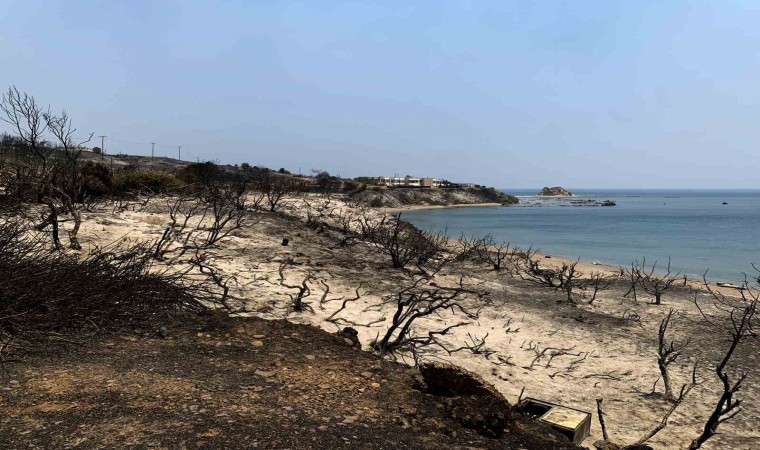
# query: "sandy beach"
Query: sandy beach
607,349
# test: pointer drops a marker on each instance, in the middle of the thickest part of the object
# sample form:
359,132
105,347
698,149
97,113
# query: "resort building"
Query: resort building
408,181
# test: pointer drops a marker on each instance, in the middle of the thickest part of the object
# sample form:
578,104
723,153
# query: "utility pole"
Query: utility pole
152,147
102,146
179,152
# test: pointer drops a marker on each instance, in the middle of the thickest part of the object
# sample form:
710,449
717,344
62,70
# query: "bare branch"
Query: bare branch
600,415
739,321
421,299
667,354
303,290
343,305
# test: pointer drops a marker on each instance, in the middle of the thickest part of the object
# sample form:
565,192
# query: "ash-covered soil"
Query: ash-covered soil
217,382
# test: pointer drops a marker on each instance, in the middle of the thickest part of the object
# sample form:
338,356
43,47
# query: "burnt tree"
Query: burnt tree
667,353
654,284
739,322
402,241
422,299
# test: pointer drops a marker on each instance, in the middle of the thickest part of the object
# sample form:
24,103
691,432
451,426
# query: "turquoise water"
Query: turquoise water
694,228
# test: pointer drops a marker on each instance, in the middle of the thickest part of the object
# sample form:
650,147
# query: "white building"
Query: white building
408,181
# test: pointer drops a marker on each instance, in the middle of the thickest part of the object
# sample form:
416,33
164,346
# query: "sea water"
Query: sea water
695,229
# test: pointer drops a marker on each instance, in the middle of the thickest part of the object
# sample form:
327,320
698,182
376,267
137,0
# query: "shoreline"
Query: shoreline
588,268
423,207
584,266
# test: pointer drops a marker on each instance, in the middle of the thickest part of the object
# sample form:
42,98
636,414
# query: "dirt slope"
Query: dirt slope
216,382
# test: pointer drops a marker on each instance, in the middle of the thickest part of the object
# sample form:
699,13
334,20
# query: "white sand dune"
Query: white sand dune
606,356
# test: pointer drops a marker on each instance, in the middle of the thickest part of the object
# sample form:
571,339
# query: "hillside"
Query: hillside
384,198
395,198
158,164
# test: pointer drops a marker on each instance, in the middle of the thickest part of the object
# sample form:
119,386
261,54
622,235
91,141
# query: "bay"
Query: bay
692,227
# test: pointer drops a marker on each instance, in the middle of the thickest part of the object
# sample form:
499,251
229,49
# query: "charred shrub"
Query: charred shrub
139,181
402,241
204,173
44,291
97,179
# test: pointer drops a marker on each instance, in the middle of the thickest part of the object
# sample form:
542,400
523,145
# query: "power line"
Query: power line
121,141
153,144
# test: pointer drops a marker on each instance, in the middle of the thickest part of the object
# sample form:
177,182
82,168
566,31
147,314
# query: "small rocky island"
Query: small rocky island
555,192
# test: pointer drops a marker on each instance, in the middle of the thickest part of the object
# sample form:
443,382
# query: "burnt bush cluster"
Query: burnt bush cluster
45,292
402,241
135,181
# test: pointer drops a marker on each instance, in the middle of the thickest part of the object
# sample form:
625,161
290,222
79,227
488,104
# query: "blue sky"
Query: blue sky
595,94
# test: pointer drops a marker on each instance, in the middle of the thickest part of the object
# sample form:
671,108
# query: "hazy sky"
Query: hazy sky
505,93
